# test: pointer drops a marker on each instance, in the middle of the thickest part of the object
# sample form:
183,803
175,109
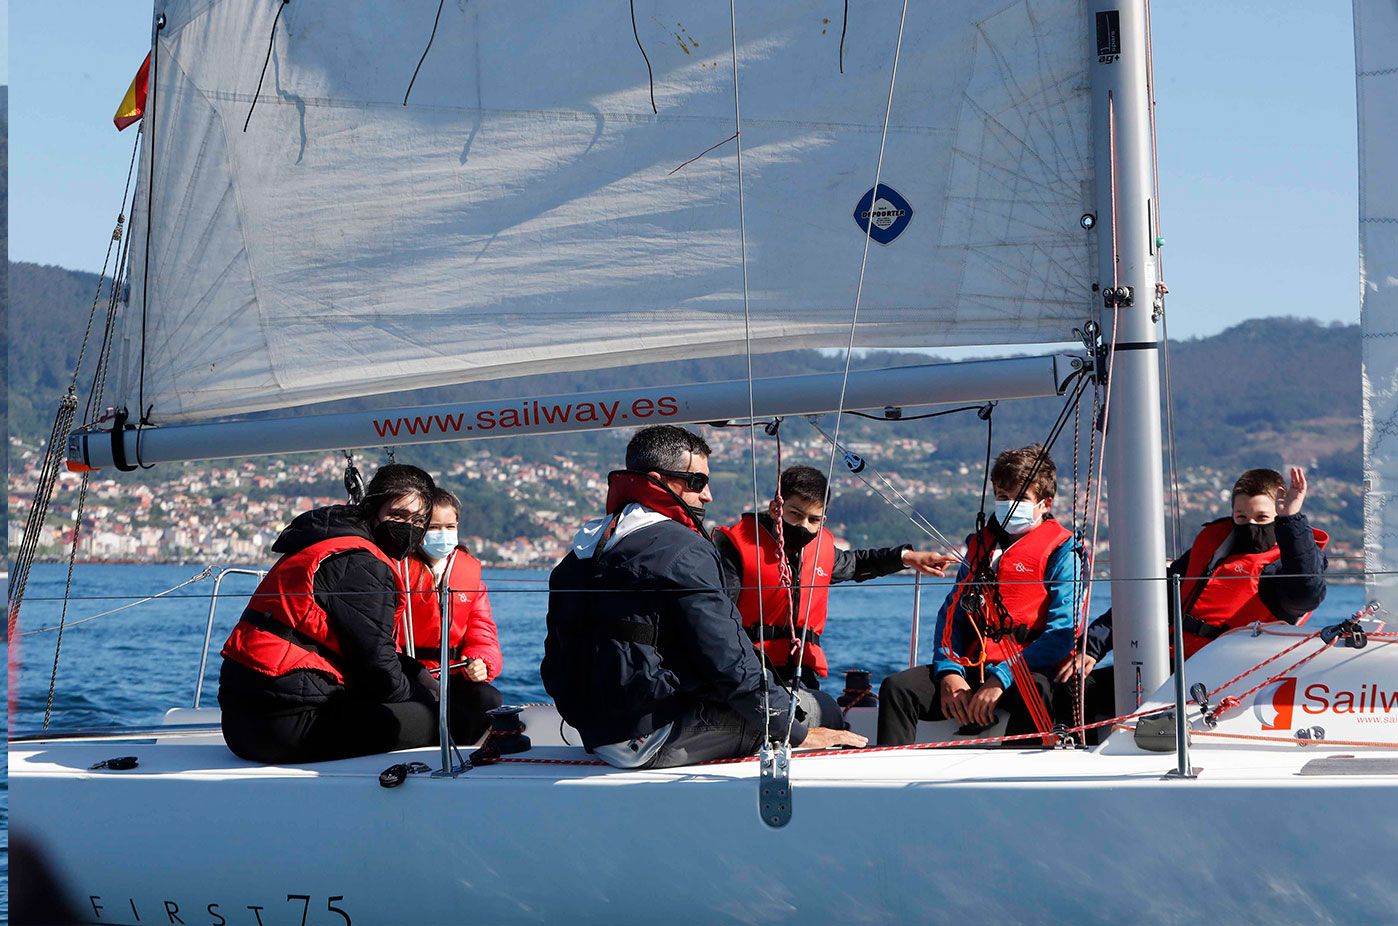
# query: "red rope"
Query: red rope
1232,701
1270,659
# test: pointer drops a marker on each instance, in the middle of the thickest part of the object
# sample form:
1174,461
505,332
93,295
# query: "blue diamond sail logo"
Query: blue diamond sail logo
885,215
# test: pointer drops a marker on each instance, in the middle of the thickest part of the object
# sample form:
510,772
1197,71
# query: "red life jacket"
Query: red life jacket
467,589
283,629
1228,596
1019,587
775,601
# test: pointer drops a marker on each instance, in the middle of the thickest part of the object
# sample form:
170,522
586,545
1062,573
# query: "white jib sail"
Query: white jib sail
527,211
1376,68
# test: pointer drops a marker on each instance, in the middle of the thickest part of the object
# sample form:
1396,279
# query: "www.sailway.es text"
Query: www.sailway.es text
532,413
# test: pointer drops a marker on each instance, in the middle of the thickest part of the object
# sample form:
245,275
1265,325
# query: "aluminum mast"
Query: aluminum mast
1126,263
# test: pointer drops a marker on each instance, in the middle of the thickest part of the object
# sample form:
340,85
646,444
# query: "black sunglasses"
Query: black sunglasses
694,481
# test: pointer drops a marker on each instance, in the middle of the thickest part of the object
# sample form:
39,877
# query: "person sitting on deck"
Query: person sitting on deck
473,642
1010,617
645,653
311,670
1264,563
773,608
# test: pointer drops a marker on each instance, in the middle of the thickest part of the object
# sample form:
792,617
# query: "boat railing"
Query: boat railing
209,626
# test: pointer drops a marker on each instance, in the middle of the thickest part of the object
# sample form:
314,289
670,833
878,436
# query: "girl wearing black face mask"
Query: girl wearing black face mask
311,671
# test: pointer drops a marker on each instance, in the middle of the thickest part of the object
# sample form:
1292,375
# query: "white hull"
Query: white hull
945,835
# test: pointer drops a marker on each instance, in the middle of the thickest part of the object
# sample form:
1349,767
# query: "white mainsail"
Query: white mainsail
1376,70
523,212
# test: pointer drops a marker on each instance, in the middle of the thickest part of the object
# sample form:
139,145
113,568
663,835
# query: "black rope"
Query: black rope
980,570
844,27
430,40
950,411
985,473
650,75
120,283
38,512
67,590
271,40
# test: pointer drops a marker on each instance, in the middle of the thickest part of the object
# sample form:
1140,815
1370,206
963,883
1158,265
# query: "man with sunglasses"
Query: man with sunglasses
645,654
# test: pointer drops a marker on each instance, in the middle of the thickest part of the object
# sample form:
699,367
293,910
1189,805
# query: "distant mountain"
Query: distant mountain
1262,393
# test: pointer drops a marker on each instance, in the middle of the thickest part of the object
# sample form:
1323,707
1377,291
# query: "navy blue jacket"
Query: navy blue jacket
1291,588
612,685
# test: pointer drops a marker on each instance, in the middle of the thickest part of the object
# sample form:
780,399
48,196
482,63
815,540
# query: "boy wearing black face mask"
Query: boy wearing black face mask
786,605
1264,563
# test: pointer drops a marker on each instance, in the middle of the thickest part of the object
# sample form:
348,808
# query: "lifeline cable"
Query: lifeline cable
197,577
854,318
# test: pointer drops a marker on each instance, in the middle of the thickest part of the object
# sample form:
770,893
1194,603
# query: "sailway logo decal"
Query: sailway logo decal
1276,705
885,216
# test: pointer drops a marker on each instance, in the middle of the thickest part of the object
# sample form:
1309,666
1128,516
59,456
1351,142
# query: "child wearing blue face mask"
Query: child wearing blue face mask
1008,622
473,641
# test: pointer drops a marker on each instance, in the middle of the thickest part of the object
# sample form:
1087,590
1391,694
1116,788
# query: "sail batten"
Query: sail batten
527,212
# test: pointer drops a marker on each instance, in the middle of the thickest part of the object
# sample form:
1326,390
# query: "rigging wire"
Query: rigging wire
1160,290
1107,401
747,350
430,39
63,420
854,318
902,503
67,590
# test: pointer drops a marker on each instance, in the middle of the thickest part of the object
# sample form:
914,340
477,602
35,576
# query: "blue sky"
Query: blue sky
1256,126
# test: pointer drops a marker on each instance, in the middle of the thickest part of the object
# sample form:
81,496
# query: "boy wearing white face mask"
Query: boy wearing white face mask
473,641
1007,623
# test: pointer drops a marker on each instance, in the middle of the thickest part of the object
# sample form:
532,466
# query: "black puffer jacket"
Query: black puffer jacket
358,593
645,631
1291,587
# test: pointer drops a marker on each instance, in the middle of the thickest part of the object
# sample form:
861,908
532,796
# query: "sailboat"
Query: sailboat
333,203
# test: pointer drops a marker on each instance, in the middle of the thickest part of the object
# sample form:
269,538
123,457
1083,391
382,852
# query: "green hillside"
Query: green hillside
1268,392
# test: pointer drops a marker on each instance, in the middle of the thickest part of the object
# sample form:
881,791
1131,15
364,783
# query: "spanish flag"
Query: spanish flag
133,105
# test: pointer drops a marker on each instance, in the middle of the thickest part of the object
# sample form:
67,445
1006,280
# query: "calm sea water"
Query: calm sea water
129,667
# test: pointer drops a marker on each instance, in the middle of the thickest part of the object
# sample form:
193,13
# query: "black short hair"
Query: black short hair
396,480
663,446
806,483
